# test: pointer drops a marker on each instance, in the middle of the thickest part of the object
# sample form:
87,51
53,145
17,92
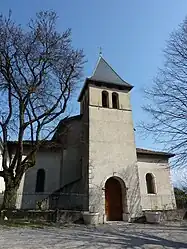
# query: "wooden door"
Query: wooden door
113,199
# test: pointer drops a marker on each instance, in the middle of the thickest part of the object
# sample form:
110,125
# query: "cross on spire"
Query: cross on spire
100,51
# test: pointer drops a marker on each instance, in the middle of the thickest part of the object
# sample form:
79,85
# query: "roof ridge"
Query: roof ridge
155,152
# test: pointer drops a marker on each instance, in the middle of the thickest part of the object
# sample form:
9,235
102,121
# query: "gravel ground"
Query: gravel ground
111,235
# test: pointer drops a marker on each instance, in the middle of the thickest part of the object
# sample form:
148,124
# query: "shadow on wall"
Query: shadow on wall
130,178
1,199
70,197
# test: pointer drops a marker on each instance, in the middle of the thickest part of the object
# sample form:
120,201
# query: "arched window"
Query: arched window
150,182
105,102
115,101
40,180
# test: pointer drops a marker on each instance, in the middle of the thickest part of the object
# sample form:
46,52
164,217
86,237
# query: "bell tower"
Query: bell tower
110,140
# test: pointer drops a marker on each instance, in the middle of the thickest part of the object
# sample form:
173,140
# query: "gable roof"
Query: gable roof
105,73
46,144
141,151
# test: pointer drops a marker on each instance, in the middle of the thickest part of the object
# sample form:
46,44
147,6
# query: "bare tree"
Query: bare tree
182,180
39,71
167,98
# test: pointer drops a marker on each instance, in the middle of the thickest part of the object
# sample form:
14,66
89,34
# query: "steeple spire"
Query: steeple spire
105,73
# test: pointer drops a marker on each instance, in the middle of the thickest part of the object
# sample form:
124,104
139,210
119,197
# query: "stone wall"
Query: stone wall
70,197
174,215
73,189
84,145
29,215
65,216
112,150
71,159
57,216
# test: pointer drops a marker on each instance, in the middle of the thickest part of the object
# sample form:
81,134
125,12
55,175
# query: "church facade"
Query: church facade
97,167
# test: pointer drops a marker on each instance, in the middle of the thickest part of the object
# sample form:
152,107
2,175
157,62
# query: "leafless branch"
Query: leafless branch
167,99
39,70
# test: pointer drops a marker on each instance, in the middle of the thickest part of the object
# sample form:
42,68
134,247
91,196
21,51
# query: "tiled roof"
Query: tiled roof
53,144
153,152
45,144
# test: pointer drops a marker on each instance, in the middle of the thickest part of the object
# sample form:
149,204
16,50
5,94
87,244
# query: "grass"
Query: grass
24,224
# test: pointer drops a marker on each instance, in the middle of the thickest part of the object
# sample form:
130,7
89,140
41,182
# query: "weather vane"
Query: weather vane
100,51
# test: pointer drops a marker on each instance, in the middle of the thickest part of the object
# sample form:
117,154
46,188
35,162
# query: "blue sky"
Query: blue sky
132,34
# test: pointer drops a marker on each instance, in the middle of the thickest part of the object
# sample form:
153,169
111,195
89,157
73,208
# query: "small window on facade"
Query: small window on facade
105,102
115,101
150,182
40,180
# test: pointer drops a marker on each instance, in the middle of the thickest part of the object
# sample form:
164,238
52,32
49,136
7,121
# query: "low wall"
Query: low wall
59,216
174,215
71,216
177,215
66,216
28,215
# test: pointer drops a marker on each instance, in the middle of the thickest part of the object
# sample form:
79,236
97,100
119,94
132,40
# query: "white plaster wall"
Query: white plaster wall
164,197
50,162
112,150
2,184
26,196
20,191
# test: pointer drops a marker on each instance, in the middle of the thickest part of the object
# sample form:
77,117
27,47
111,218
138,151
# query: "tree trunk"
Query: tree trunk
10,196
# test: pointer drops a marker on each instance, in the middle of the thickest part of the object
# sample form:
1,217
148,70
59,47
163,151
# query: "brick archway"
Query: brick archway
114,199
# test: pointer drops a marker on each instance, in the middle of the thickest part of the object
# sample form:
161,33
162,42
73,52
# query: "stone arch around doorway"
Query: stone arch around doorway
115,199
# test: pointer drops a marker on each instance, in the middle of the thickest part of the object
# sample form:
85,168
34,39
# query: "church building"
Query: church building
97,168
